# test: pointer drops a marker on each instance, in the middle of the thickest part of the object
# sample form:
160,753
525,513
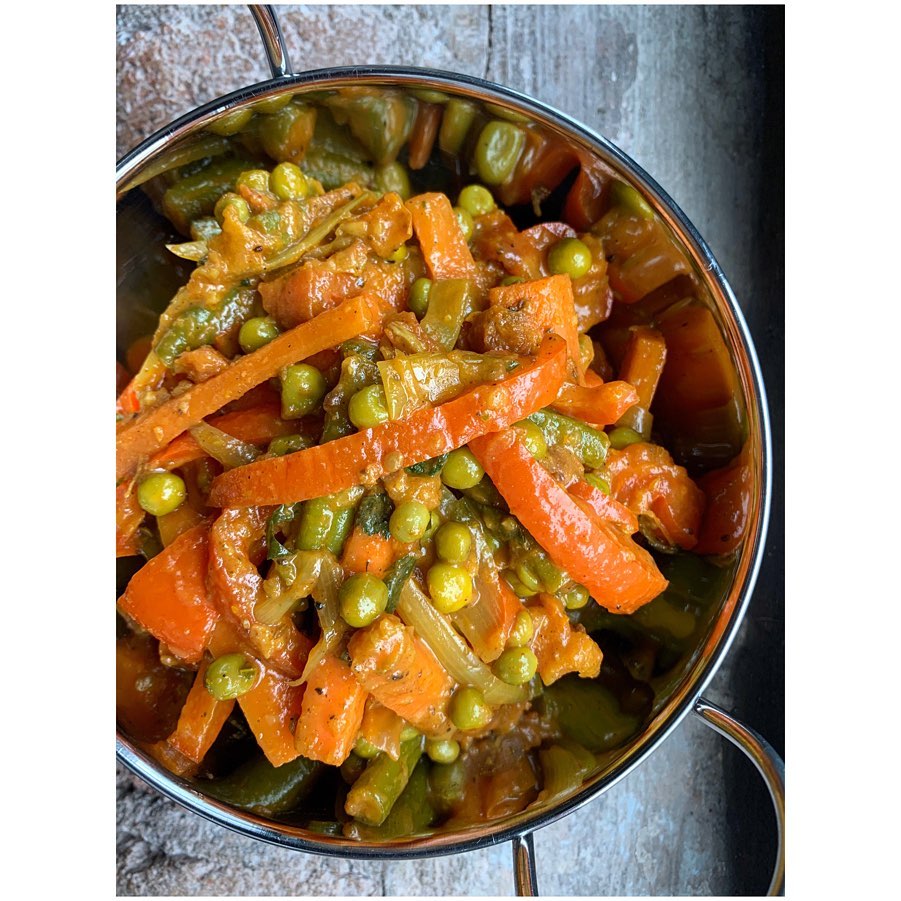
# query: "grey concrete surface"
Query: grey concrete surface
694,94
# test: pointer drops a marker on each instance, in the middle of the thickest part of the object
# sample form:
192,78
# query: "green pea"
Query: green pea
450,587
477,200
453,542
161,493
516,666
362,599
461,470
468,710
393,177
231,123
399,255
303,387
256,333
621,437
627,197
409,521
576,598
498,150
522,631
520,589
288,182
600,483
254,179
230,676
231,200
532,437
366,749
528,578
419,296
408,733
569,257
287,444
442,750
465,221
273,104
368,407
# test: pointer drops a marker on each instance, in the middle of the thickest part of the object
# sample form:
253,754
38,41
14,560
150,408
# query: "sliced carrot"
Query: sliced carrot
645,479
381,727
201,720
365,456
620,575
643,362
147,434
368,553
598,404
129,515
168,595
236,548
306,292
729,493
544,304
331,712
400,671
255,426
604,506
441,240
560,647
271,709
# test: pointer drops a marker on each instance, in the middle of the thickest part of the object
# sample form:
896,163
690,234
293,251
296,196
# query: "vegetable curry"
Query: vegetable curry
430,475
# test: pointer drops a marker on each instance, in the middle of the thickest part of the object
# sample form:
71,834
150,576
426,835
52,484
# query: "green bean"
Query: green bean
410,814
266,790
380,785
588,713
362,599
303,388
286,134
447,785
161,493
196,195
366,749
455,124
352,768
326,522
381,123
498,150
621,437
587,443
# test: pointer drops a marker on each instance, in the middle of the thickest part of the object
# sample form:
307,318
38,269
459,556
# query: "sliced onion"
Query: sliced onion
325,594
231,452
416,610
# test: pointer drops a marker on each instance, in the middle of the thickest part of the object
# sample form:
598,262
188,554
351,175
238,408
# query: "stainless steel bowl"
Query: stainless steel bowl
138,234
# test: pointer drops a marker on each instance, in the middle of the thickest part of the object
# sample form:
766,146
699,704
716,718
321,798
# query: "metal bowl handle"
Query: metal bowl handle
760,752
273,40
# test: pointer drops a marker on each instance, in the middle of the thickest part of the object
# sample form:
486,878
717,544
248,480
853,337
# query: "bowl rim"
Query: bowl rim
718,642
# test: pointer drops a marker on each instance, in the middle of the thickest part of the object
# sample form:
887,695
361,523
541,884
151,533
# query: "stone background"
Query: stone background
695,96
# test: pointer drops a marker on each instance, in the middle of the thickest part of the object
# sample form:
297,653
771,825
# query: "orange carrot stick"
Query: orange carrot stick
368,553
129,515
400,671
139,440
643,361
363,457
728,492
255,426
201,720
331,712
620,575
381,727
271,709
604,506
444,248
599,405
168,595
